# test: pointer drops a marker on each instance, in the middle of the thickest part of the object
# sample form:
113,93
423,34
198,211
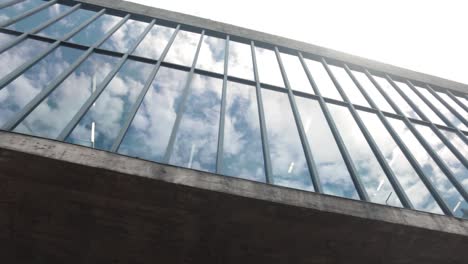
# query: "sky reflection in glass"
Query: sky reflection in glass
183,49
322,79
28,23
154,43
211,57
125,37
348,86
453,104
296,75
96,30
240,60
268,67
66,24
372,91
18,9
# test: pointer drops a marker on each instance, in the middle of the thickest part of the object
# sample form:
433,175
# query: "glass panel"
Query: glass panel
457,141
453,104
6,38
151,128
67,24
372,91
95,31
196,141
211,57
268,68
154,43
54,113
240,61
349,87
442,109
183,49
331,168
419,103
30,22
18,9
105,118
289,167
25,87
373,177
462,100
396,98
322,79
19,54
125,37
296,74
438,179
409,180
243,154
457,168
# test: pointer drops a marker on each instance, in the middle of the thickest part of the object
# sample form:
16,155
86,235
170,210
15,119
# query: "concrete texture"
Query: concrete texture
61,203
279,41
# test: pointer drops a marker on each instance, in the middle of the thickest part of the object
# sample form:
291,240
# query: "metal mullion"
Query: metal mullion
19,116
454,98
182,104
336,135
314,175
448,106
141,96
222,116
30,12
20,70
261,116
38,28
405,201
10,3
426,145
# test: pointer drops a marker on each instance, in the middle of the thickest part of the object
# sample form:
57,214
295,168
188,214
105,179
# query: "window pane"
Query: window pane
396,98
331,168
30,22
110,110
211,57
349,87
453,104
438,179
289,165
412,185
54,113
6,38
322,79
197,137
151,128
373,177
462,100
268,68
183,49
457,141
15,95
67,24
95,31
419,103
18,9
372,91
155,42
240,60
296,74
243,154
125,37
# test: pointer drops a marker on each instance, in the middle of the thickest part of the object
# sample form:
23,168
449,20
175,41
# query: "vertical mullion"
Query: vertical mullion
183,102
9,3
454,98
141,96
315,177
220,153
261,115
336,135
448,106
19,116
30,12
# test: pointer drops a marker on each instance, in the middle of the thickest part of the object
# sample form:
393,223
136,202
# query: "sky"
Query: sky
426,36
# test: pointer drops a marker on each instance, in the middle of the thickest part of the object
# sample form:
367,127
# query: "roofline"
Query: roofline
254,35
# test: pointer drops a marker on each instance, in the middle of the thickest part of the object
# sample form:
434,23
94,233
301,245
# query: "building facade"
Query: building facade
235,104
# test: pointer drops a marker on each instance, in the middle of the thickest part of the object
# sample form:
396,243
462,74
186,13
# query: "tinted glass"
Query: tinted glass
154,43
211,57
348,86
268,68
372,91
67,24
30,22
240,60
243,154
95,31
183,49
125,37
296,74
18,9
322,79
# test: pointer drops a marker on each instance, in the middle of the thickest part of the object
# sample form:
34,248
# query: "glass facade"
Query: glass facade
178,95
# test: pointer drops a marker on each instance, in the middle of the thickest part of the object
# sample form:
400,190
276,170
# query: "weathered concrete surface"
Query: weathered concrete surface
277,40
61,203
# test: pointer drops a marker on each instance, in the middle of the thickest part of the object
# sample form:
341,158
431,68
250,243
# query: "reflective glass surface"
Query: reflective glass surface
95,31
240,60
453,104
211,57
322,79
242,150
287,156
18,9
196,140
154,43
53,114
29,23
151,128
183,49
296,74
348,86
268,68
125,37
106,116
417,192
333,173
372,91
372,176
66,24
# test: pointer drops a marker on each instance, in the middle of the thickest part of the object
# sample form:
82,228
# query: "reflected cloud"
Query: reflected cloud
296,74
268,67
66,24
155,42
30,22
125,37
211,57
240,60
96,30
183,49
348,86
322,79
